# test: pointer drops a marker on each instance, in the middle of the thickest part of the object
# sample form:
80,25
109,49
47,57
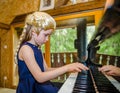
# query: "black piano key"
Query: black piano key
84,84
83,91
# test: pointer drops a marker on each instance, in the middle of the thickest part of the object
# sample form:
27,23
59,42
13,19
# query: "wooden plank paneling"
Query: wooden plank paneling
96,4
4,26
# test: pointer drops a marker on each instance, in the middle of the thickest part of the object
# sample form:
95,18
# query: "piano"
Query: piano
94,81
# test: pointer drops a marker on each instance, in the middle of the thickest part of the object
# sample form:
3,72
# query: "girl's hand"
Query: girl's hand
110,70
76,67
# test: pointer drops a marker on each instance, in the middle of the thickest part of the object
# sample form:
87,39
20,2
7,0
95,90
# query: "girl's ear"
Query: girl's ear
34,33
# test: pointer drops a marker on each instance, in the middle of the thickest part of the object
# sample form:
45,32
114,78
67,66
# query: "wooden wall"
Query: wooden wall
6,59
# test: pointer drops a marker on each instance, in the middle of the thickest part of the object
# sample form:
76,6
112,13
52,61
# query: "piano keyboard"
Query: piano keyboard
83,83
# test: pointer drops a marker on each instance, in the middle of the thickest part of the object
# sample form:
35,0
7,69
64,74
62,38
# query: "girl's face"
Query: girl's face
42,37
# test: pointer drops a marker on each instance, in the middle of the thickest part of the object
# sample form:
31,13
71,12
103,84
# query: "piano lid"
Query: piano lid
109,24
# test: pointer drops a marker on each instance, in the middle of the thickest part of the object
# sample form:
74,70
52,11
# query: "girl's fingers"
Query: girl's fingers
78,70
83,67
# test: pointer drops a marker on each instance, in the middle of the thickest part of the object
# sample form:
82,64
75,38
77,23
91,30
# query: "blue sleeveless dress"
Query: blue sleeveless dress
27,83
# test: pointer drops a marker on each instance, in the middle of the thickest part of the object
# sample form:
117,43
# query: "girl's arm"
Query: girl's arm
46,66
26,54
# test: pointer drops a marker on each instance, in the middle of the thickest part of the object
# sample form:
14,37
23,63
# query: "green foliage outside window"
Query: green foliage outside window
111,46
62,40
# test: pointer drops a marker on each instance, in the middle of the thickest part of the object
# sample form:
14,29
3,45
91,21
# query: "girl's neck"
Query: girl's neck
32,42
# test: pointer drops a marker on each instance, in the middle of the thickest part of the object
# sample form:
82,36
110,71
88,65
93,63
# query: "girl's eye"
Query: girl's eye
46,34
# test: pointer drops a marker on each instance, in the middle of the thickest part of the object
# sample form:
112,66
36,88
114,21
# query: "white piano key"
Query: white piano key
114,82
69,84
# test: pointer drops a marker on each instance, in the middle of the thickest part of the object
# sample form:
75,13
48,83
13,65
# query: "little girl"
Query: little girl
34,74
